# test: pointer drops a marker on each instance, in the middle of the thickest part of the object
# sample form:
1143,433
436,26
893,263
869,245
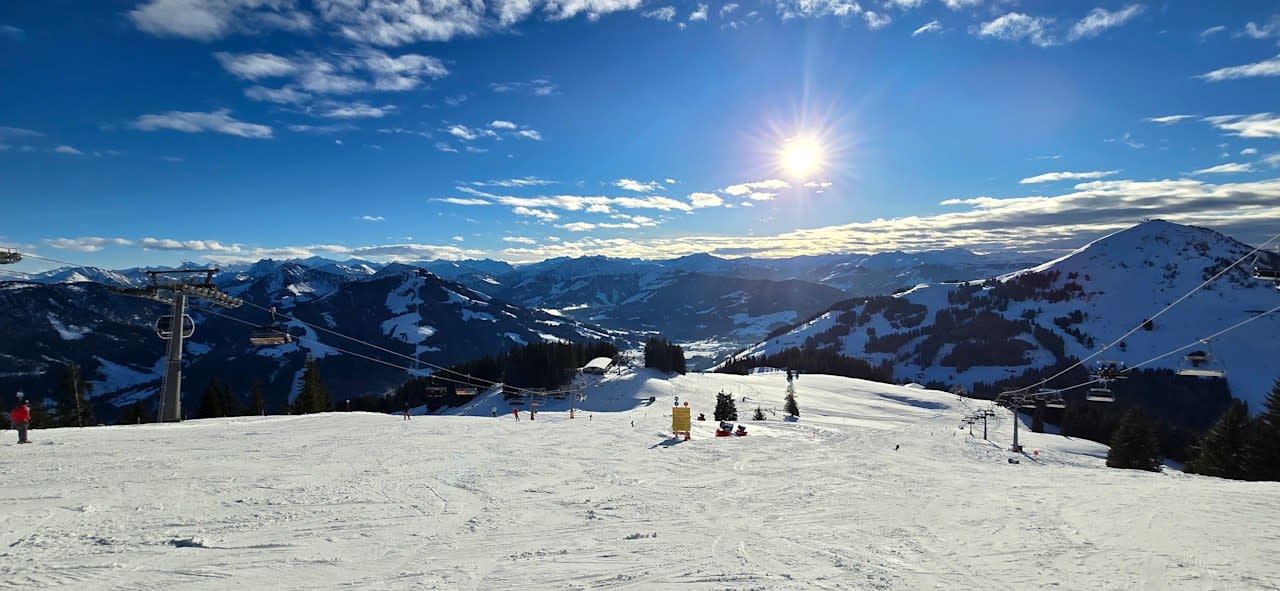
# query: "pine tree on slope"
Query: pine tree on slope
725,410
74,408
312,397
1134,445
792,408
1266,441
1224,451
759,416
257,404
210,406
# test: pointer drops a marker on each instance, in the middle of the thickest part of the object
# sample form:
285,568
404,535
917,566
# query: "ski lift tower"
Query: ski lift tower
174,287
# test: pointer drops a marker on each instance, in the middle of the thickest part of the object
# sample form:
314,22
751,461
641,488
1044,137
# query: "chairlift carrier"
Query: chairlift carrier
1201,363
270,334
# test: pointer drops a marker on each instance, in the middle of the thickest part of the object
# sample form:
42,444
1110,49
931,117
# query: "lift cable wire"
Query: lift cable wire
1135,329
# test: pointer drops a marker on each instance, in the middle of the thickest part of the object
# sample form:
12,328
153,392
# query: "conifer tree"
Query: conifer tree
40,417
1266,439
312,397
74,408
231,404
725,410
792,408
257,402
136,414
759,416
1134,445
1224,451
211,401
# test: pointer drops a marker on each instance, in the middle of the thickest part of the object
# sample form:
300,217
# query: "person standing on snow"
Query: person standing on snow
515,411
21,418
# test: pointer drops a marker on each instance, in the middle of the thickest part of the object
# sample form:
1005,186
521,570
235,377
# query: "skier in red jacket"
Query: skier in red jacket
21,417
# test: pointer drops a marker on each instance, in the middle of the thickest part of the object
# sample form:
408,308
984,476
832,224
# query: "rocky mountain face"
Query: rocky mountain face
966,333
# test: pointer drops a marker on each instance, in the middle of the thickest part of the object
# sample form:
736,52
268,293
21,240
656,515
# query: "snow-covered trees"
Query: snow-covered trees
759,414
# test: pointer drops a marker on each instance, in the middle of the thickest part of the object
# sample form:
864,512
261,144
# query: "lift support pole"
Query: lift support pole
171,404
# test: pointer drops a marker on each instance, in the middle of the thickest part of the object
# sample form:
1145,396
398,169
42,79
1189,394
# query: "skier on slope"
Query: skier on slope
515,411
21,418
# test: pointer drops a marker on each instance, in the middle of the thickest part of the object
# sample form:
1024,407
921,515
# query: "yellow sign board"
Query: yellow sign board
680,419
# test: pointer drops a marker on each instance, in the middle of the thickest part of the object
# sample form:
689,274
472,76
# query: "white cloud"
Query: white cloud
666,13
1271,29
462,132
1212,31
541,214
637,186
285,96
68,150
357,110
458,238
876,20
1269,67
443,147
1127,139
905,4
593,9
1017,27
1063,176
372,218
959,4
454,101
1272,160
1100,19
519,239
930,27
11,132
1256,125
335,73
745,188
207,20
700,14
530,134
464,200
539,87
499,124
728,9
577,226
475,149
1230,167
1170,119
1248,151
218,121
529,181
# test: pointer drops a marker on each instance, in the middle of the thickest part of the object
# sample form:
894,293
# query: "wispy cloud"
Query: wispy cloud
358,70
94,244
1212,31
1257,125
1127,139
1063,176
529,181
207,20
930,27
746,188
1170,119
1016,26
1269,67
1101,19
637,186
1256,31
372,218
12,33
465,201
68,150
219,121
960,4
700,14
1230,167
541,214
844,9
519,239
1248,151
12,132
538,87
499,124
728,9
285,96
322,129
529,134
666,13
357,110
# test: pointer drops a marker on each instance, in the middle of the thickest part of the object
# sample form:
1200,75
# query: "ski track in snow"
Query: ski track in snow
370,501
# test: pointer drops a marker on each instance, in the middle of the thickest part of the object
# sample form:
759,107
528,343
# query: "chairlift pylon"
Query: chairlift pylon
270,334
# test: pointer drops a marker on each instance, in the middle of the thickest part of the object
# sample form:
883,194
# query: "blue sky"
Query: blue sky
148,133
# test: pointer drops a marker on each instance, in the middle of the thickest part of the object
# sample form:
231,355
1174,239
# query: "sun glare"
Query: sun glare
801,157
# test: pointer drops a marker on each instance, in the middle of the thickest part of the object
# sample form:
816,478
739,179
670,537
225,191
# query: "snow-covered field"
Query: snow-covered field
607,500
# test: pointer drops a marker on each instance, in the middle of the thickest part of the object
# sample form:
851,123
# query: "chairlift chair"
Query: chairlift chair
1201,364
1100,394
8,256
270,334
1056,402
1109,371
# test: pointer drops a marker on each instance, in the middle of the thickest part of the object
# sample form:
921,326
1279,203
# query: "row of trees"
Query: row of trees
664,356
823,361
1241,447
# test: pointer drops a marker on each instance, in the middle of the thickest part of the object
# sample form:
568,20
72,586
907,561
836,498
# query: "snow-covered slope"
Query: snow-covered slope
1070,307
873,488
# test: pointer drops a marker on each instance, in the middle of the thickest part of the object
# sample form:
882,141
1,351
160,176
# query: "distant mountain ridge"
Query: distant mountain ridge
964,333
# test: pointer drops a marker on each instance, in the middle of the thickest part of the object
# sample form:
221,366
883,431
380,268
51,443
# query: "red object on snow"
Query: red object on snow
724,433
740,432
21,414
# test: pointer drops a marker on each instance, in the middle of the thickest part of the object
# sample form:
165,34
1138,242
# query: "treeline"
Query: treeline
824,361
536,365
664,356
1241,447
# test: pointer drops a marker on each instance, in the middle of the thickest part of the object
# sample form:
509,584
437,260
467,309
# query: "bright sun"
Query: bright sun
801,157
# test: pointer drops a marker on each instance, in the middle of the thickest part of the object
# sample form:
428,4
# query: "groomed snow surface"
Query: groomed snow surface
368,501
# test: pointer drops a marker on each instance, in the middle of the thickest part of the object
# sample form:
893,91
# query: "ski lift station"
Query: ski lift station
597,366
